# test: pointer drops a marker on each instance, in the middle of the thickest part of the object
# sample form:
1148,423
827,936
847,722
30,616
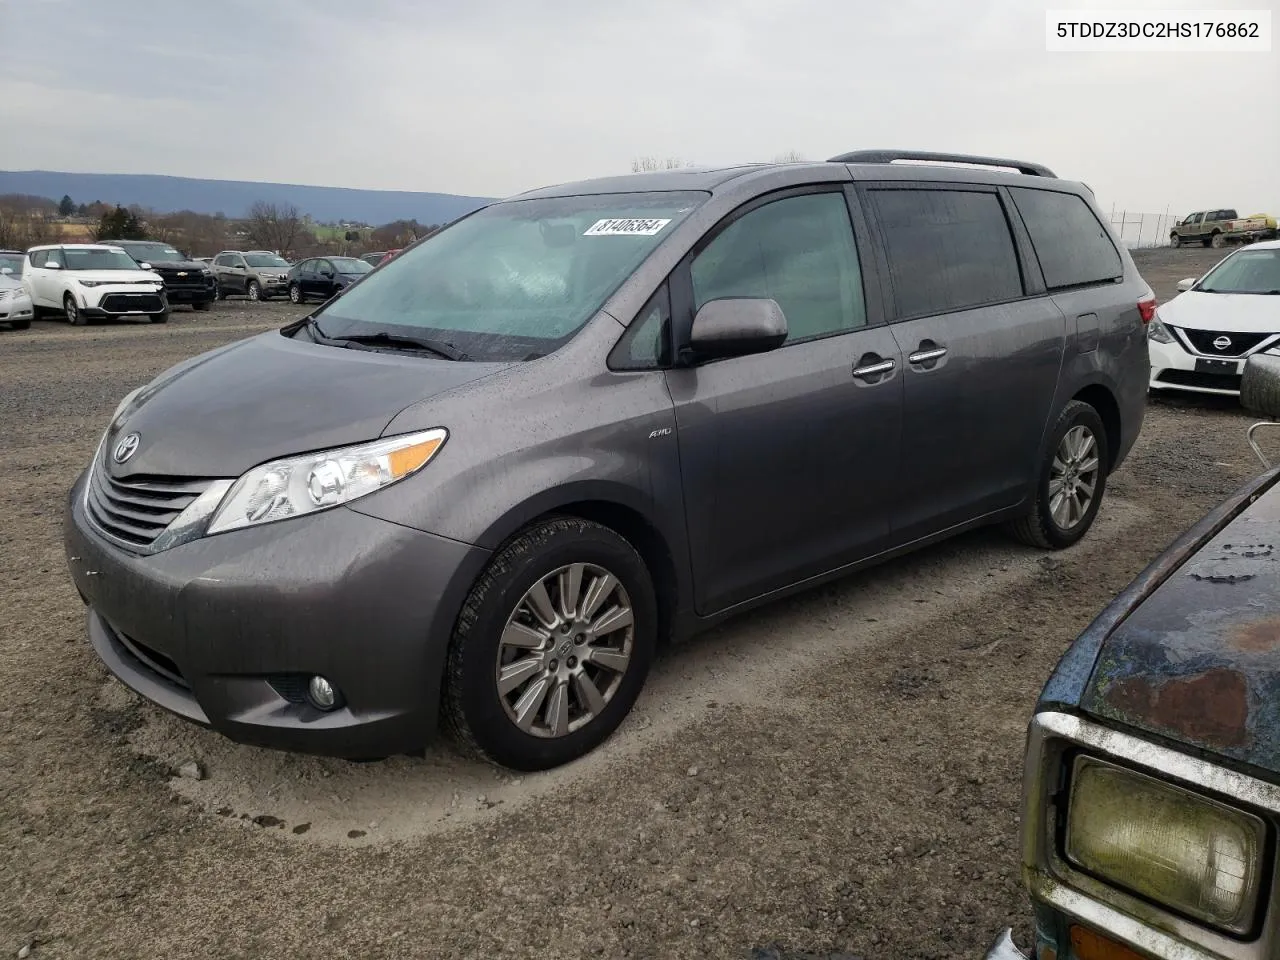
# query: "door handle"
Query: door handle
924,356
869,370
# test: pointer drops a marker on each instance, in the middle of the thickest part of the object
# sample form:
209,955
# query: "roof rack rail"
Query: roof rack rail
889,156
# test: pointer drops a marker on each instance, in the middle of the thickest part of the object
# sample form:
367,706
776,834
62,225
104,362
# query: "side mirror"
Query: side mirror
53,266
1260,386
144,266
1187,284
735,327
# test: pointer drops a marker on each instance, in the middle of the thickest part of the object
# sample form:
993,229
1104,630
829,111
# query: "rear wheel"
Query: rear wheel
201,306
295,293
73,312
1217,240
253,291
552,646
1072,480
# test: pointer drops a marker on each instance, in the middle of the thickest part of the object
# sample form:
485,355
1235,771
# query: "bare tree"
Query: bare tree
22,229
650,164
791,156
274,226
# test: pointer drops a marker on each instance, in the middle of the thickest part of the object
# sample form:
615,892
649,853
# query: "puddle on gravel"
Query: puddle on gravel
312,799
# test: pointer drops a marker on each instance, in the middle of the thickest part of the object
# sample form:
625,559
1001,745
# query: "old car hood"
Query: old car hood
272,396
1198,660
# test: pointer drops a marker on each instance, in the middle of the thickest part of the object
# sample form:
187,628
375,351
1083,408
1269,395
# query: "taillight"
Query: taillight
1147,309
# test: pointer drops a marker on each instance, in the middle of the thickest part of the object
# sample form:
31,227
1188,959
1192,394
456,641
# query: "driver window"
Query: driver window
798,251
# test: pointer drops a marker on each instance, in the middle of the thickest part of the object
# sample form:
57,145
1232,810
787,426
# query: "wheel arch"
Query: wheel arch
627,513
1101,398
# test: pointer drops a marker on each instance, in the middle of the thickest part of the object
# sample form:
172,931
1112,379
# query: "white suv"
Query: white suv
86,281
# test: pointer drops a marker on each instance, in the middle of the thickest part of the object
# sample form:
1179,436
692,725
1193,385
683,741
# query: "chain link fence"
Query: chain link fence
1137,230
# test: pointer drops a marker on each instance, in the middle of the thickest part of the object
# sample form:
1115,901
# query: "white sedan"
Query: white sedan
1201,338
15,303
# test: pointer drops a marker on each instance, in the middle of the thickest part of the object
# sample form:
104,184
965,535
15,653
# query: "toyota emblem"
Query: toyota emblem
126,448
1221,343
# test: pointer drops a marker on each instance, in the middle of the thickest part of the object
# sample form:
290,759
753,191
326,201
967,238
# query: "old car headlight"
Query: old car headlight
1184,851
1157,331
318,481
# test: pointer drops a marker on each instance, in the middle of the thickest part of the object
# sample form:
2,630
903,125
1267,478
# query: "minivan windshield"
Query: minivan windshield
265,260
1247,271
514,279
100,258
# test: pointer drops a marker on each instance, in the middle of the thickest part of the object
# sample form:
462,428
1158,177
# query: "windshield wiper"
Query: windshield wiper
384,339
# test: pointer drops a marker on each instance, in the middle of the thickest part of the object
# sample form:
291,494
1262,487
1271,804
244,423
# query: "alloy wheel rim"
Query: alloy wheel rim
1073,477
72,310
253,291
565,650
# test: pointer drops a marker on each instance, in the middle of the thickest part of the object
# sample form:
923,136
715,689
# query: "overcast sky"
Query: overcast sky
491,97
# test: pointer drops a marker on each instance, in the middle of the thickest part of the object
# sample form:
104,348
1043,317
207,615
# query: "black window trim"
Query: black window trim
1033,287
680,280
1035,254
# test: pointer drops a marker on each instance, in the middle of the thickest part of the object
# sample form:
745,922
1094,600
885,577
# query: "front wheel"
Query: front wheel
201,307
220,292
552,646
1175,241
72,310
295,294
1071,482
159,317
253,291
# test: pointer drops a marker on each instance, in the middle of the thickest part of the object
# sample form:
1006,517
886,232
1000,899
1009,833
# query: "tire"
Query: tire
1041,527
1207,241
219,292
1175,241
159,317
72,311
480,716
253,290
1260,386
201,307
21,324
1217,240
295,293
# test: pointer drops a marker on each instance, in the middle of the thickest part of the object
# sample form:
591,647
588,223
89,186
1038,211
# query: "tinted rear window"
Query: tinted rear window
1073,246
947,249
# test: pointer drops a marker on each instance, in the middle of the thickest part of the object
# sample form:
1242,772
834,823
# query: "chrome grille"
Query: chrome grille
137,510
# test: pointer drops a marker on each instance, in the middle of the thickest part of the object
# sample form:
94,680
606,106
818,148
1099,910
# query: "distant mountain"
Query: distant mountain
235,197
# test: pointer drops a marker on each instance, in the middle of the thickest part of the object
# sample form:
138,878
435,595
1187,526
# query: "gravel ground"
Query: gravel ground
838,773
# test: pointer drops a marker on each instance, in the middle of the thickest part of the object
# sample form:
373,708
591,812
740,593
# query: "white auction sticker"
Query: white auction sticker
625,228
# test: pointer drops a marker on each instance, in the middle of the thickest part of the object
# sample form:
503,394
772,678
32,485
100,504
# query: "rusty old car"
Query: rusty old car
1151,788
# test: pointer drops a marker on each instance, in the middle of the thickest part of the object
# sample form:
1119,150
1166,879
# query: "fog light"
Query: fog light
322,694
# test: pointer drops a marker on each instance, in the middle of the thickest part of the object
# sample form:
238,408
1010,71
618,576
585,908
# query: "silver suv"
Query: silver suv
258,274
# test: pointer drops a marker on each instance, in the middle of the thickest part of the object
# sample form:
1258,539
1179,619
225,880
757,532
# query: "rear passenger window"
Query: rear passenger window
798,251
38,258
947,249
1073,247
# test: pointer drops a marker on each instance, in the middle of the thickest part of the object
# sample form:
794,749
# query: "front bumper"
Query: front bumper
1174,368
274,288
16,308
191,294
123,301
218,630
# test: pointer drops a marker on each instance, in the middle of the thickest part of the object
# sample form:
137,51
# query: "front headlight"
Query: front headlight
92,283
318,481
1157,331
1184,851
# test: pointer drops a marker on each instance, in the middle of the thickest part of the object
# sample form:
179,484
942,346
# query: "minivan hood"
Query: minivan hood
273,396
1198,661
1225,312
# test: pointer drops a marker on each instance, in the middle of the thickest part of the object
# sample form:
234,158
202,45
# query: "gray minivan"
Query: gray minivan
483,482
